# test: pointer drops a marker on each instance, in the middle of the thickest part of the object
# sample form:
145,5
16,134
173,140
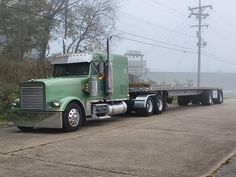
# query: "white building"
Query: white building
137,65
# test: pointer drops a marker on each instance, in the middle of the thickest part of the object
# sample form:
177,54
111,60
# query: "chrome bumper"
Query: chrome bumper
37,119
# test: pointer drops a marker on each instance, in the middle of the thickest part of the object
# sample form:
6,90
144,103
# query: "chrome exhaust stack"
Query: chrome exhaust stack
109,69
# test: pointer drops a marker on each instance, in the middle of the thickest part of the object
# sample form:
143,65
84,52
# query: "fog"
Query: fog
167,21
226,81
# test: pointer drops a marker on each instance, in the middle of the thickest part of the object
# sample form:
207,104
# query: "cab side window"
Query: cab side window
94,69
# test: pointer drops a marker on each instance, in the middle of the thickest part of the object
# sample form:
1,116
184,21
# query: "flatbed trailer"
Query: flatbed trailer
160,97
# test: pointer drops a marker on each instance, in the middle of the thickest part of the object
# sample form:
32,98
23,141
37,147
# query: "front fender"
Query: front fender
65,101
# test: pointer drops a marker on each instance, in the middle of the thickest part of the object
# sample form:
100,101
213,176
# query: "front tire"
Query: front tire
72,117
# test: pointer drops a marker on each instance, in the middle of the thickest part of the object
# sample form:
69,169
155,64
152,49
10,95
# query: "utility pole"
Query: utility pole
198,13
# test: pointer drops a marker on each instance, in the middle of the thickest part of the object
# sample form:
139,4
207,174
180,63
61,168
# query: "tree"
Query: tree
12,30
87,25
50,10
27,25
31,25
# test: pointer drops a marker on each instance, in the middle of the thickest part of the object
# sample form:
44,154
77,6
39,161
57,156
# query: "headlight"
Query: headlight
54,104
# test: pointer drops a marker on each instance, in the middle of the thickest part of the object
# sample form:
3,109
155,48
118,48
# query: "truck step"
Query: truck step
104,117
99,118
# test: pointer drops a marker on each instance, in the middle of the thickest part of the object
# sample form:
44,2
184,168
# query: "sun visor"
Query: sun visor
72,58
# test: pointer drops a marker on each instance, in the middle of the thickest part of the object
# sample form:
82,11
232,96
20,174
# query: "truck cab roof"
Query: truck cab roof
72,58
81,58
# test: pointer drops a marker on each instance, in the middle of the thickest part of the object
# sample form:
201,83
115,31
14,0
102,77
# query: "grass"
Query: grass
3,122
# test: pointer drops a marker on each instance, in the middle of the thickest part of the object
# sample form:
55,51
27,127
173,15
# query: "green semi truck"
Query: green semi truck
95,86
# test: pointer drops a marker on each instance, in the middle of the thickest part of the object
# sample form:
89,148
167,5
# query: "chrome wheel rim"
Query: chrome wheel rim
210,99
221,97
74,117
160,105
149,106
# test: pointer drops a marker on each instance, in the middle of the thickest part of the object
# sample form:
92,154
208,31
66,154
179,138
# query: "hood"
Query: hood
61,81
59,88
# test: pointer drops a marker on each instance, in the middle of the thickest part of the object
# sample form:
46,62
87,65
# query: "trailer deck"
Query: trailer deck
173,91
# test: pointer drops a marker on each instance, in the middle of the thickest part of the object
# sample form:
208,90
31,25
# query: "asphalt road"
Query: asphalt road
183,142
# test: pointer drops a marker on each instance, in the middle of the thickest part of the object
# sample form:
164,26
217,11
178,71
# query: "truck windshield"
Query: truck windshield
71,69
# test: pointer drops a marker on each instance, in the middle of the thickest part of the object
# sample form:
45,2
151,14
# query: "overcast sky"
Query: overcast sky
167,21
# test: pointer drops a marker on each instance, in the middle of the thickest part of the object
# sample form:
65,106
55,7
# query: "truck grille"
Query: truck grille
32,97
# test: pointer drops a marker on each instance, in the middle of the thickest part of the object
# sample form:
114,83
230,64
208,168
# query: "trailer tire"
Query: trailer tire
158,105
72,117
220,98
207,98
183,100
25,129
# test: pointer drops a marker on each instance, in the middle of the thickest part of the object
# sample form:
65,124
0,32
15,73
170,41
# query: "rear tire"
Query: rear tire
183,100
220,98
158,105
149,108
72,117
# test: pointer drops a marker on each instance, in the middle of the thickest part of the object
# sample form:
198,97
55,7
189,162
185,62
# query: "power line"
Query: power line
220,59
171,9
152,24
154,45
228,32
153,3
179,28
182,57
153,40
225,21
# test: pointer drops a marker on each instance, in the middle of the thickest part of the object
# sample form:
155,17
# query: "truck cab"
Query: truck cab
83,86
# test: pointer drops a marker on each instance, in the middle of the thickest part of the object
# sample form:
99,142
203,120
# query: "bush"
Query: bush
12,73
8,94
